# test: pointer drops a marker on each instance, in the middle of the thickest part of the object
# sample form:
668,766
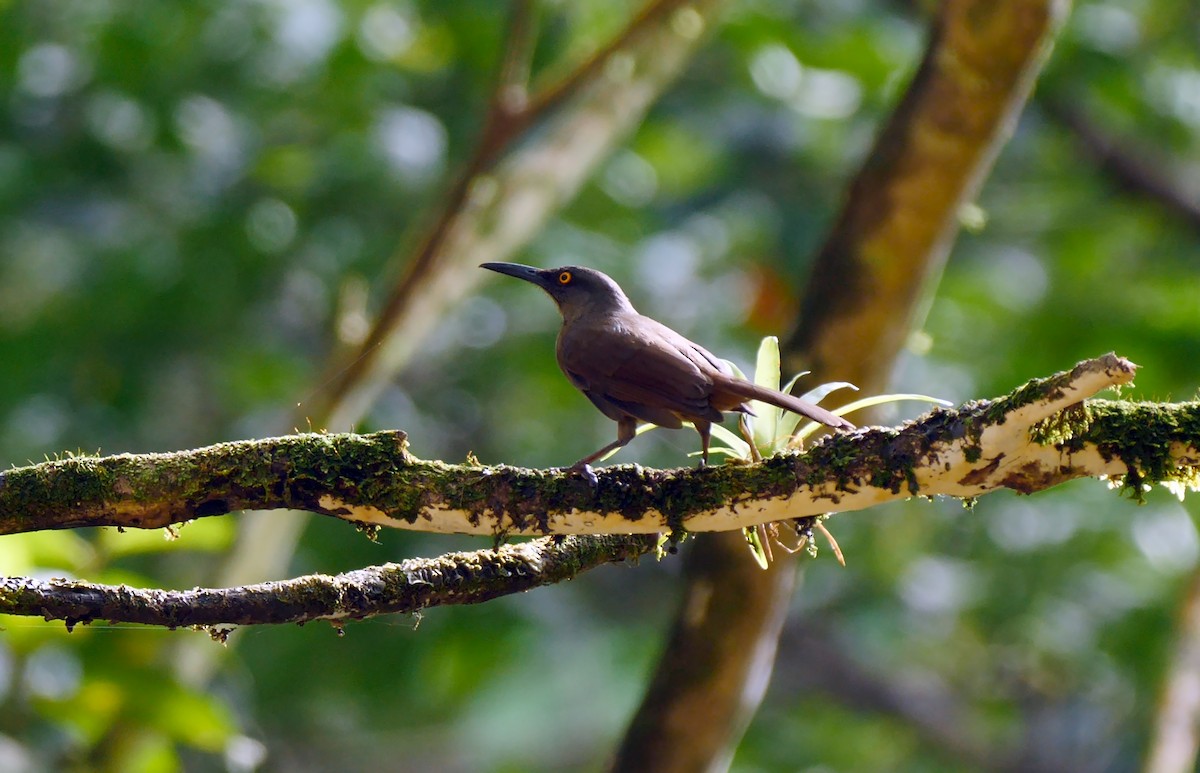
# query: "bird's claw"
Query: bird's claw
585,471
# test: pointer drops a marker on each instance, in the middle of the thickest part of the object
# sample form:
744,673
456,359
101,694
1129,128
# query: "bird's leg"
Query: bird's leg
626,431
704,428
744,426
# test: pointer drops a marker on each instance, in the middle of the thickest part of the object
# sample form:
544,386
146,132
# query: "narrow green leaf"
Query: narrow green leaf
766,374
756,547
788,421
791,384
865,402
736,446
821,391
868,402
766,363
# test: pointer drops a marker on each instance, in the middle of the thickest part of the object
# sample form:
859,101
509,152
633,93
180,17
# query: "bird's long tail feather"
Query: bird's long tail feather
751,391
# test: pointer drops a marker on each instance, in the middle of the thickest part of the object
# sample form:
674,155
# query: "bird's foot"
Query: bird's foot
585,471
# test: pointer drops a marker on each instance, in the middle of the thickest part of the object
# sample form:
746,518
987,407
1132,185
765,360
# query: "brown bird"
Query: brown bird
636,369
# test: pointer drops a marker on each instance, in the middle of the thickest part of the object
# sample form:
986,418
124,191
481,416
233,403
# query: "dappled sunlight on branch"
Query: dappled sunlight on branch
1038,436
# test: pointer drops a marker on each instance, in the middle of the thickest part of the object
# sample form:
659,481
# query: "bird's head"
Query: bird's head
574,288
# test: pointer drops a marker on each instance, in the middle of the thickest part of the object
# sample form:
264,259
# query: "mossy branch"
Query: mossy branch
1036,437
406,587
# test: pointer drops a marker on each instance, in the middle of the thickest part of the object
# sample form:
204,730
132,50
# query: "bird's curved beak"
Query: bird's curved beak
528,273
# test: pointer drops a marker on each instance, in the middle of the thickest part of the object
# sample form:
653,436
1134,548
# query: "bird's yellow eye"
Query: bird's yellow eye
564,278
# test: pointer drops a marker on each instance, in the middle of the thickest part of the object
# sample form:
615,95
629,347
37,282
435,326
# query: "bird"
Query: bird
636,369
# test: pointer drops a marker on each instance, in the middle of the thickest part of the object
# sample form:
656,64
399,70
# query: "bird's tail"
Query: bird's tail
750,391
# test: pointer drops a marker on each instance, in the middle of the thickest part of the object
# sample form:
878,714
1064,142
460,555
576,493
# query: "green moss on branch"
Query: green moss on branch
406,587
374,480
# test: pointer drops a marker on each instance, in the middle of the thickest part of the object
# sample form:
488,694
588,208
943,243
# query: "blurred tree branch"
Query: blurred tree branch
1176,728
1131,165
869,283
888,245
1038,436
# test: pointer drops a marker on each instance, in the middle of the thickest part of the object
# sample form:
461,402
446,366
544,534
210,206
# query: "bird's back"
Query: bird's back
631,363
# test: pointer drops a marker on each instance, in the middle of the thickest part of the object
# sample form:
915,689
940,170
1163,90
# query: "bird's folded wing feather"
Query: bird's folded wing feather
645,364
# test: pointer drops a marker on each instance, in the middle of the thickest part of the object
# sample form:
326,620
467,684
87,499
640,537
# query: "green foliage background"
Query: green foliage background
198,207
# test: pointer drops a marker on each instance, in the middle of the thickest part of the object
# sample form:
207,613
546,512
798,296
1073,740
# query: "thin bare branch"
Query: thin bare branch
550,97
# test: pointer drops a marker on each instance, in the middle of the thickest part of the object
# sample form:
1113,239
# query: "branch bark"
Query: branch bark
406,587
1135,168
1036,437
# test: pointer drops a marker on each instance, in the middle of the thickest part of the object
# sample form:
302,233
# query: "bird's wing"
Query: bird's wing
644,367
